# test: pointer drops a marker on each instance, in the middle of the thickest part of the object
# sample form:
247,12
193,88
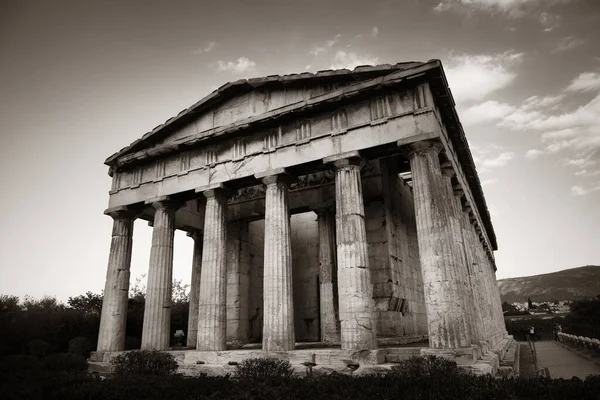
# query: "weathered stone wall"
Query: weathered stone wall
305,253
394,259
253,253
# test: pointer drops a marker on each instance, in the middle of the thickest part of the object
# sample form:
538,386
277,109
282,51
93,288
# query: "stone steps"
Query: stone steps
510,362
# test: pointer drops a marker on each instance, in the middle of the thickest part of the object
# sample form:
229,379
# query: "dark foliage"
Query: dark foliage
584,319
430,378
263,370
144,362
39,348
80,345
65,362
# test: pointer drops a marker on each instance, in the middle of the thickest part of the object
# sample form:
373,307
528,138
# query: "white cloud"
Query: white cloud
507,8
568,43
209,46
488,182
375,32
546,101
533,154
586,172
585,82
549,21
581,191
324,48
473,77
488,111
499,161
350,60
581,162
242,64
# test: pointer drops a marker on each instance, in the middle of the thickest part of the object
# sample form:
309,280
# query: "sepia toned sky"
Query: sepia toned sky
79,80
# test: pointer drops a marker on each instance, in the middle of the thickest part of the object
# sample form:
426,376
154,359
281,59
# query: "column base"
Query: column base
462,356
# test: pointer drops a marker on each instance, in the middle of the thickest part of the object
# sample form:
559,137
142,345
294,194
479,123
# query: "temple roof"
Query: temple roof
435,76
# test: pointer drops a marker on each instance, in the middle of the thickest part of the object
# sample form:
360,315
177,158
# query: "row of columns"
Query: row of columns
461,294
356,328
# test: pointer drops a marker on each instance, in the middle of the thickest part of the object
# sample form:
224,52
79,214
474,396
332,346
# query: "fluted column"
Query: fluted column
157,310
459,253
278,323
212,317
330,327
192,334
111,336
474,286
356,308
446,314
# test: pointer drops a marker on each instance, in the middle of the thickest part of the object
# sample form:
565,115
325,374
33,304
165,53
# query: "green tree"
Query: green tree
88,303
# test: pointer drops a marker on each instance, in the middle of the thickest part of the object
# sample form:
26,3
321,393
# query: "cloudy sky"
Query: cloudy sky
82,79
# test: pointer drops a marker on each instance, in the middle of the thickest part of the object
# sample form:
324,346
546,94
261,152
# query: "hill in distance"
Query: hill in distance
568,284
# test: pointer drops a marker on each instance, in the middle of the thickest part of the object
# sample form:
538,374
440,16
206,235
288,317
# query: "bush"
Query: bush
80,345
144,362
263,369
65,362
39,348
19,364
427,367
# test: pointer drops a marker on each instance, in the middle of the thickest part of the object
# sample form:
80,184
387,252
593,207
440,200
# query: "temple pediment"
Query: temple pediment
244,99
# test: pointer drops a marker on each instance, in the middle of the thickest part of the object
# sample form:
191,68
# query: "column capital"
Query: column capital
165,202
124,212
195,234
349,158
218,190
273,176
323,208
424,147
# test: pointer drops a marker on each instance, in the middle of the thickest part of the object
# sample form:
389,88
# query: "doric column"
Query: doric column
192,334
212,317
459,253
472,279
356,310
157,311
111,336
330,326
278,323
446,314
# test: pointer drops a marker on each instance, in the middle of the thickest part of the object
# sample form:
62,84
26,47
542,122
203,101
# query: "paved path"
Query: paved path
564,363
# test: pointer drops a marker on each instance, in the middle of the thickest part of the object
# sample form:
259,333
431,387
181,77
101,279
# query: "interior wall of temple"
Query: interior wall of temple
394,259
253,250
305,274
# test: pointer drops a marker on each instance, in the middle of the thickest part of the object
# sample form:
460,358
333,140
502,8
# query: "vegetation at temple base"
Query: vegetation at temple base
45,326
144,362
24,377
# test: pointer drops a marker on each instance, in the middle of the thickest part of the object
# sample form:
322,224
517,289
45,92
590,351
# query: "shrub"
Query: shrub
263,369
19,364
80,345
426,367
144,362
65,362
39,348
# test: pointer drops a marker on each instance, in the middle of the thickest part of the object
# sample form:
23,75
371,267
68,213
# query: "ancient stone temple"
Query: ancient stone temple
335,216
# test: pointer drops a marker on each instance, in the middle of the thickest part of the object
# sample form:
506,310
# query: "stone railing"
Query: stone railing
580,341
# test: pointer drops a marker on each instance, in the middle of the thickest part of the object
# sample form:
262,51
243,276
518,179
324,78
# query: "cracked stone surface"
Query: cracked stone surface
192,335
278,325
446,314
356,309
212,317
111,336
157,310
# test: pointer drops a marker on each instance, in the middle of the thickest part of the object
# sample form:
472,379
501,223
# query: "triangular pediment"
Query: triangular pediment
239,100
